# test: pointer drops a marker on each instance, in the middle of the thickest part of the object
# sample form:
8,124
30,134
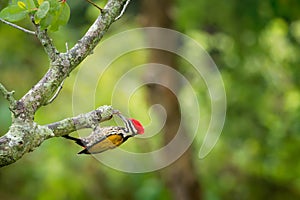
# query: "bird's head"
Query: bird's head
137,125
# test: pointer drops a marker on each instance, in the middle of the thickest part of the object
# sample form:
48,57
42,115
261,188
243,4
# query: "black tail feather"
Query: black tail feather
77,140
84,151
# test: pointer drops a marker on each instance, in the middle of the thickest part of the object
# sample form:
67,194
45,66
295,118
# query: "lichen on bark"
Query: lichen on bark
25,134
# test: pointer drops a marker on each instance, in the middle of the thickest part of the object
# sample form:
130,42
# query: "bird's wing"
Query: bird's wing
108,142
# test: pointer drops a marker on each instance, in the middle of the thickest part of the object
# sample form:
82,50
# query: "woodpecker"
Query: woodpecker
102,139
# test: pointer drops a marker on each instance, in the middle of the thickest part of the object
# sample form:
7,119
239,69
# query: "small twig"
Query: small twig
56,94
8,95
67,47
25,135
91,2
123,10
17,27
46,41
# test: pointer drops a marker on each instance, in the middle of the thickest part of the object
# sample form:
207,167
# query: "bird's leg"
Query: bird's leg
116,112
91,2
127,122
124,119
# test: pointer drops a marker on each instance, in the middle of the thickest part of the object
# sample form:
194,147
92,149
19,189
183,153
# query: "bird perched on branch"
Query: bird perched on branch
102,139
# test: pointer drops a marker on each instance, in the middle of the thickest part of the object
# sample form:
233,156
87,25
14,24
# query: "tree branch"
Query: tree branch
8,95
56,94
24,137
123,10
17,27
24,134
88,42
62,64
47,43
87,120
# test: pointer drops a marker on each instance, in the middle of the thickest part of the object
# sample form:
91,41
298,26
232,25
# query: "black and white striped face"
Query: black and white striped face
132,126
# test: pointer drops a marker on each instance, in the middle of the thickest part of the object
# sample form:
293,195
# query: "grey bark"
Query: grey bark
25,134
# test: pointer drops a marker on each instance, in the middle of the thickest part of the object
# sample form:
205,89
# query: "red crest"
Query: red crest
138,126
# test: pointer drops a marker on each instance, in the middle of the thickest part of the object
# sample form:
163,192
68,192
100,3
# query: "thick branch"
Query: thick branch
88,42
24,134
87,120
39,94
24,137
21,138
63,63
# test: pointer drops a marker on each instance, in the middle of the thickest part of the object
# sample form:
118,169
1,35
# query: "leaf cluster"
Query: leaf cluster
49,14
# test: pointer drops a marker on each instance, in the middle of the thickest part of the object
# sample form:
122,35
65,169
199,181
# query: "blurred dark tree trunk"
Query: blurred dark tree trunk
181,176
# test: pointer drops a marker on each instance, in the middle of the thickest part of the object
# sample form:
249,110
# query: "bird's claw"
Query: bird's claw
116,112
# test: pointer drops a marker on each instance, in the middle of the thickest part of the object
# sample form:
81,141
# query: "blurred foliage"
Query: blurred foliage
254,43
256,46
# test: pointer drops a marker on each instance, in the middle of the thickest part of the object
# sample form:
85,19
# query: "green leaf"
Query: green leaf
30,5
52,16
54,5
13,13
62,17
40,1
21,4
41,12
45,22
26,4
